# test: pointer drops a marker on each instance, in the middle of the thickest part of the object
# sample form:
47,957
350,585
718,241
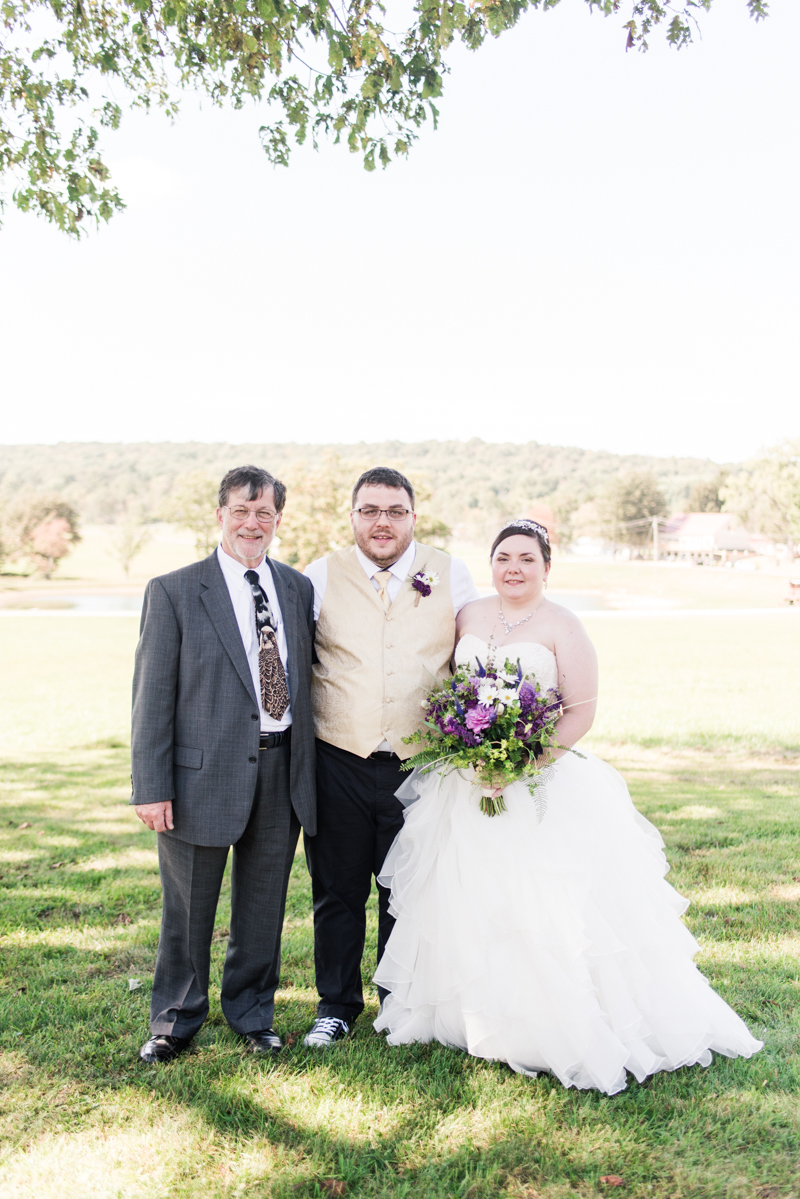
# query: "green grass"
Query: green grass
80,1116
66,681
703,681
679,681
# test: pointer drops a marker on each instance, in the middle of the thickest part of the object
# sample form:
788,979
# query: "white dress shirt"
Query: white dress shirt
244,606
462,588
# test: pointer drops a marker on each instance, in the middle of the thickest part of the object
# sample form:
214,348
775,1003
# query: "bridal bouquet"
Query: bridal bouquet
498,721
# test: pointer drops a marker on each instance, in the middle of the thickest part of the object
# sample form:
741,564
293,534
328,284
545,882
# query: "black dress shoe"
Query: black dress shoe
266,1040
161,1048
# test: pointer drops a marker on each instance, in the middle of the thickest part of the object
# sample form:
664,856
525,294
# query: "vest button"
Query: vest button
252,759
254,715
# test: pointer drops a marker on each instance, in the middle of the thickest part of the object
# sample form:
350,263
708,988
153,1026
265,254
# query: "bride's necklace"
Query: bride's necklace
508,627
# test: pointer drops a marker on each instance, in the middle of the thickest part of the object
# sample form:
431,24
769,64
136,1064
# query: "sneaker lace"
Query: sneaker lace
329,1025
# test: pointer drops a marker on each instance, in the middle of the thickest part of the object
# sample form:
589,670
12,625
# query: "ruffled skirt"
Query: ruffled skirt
547,938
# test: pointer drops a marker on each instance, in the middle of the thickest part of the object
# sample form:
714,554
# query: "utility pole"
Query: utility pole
655,539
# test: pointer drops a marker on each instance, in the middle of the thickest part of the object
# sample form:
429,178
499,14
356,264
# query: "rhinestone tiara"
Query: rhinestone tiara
533,525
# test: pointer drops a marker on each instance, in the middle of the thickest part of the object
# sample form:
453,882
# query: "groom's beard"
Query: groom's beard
383,553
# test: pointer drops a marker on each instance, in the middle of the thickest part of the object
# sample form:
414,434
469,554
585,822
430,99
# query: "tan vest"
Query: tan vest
375,667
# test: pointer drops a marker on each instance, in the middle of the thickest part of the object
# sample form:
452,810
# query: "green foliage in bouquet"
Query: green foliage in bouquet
497,720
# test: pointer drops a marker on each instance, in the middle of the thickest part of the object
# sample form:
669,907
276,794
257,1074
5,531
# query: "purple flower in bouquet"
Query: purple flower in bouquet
496,720
480,718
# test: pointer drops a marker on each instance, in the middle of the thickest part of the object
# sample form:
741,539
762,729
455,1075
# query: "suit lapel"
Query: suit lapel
216,598
287,598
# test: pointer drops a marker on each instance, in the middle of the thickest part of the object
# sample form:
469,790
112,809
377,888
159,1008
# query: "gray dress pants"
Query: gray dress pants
191,877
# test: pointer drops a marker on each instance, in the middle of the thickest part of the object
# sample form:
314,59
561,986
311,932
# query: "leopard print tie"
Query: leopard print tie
274,690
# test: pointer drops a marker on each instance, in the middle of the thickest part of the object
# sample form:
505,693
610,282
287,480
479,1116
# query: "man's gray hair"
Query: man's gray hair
256,480
383,476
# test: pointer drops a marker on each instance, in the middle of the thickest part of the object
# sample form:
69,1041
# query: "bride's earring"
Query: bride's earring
545,584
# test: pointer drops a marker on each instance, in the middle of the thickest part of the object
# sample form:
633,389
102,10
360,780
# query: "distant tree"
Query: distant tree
476,485
705,495
627,504
316,520
43,529
564,505
766,494
585,520
429,528
326,68
130,536
192,505
432,531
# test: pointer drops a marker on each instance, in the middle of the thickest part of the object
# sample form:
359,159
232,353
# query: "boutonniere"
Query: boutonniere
424,583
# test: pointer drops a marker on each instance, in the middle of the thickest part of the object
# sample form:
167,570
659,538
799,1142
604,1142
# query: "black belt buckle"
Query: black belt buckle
384,755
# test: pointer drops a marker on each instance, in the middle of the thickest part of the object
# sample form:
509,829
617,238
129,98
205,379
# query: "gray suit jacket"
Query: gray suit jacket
195,714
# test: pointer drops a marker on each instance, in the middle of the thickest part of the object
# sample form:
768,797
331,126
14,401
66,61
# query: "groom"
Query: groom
385,633
223,756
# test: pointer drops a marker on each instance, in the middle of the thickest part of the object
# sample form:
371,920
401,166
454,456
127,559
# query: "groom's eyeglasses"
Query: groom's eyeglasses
263,516
374,513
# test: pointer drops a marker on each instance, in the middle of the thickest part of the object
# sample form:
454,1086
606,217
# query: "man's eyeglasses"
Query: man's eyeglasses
374,513
263,516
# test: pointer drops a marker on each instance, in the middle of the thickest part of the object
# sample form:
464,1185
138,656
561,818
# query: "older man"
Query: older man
386,610
223,755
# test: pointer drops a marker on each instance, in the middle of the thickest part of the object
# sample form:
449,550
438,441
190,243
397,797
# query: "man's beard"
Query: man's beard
248,547
388,555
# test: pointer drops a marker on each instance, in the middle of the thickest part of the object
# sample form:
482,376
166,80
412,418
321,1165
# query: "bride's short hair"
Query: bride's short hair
527,528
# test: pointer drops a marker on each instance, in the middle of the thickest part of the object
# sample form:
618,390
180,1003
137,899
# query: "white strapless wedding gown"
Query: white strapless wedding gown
546,937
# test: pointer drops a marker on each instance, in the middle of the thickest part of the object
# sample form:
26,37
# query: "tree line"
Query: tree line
463,489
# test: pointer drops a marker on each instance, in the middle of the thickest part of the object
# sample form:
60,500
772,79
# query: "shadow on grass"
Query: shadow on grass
80,918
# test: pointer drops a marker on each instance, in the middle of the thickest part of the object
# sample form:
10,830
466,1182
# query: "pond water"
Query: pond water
576,601
95,604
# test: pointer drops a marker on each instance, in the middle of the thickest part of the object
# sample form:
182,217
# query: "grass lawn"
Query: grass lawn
677,681
81,1117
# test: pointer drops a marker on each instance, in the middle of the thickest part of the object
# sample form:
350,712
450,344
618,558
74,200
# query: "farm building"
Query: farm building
706,537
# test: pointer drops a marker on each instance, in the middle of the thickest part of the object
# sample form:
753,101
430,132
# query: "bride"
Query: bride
547,936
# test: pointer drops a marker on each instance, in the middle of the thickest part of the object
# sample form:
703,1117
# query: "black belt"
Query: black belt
273,740
383,755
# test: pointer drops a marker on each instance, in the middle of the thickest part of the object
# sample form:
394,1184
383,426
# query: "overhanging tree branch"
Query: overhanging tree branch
371,96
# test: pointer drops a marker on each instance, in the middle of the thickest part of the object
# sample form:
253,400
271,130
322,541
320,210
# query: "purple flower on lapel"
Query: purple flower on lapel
424,583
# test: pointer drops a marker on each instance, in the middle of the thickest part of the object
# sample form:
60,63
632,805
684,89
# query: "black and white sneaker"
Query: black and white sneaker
325,1031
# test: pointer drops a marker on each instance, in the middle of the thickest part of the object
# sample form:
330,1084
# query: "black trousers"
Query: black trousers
191,877
358,818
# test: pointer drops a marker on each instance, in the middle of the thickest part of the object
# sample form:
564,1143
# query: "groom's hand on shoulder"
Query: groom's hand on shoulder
157,816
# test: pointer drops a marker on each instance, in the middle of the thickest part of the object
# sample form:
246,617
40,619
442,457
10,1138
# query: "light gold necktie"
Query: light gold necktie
382,578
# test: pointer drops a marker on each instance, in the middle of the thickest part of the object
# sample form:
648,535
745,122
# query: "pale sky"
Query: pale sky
596,249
